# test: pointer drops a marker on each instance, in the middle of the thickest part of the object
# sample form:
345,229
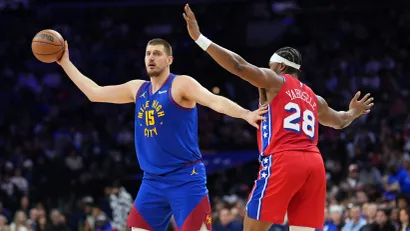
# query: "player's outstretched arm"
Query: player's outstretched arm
118,94
341,119
191,90
259,77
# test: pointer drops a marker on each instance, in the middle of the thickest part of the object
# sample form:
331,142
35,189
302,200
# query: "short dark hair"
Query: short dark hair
292,55
159,41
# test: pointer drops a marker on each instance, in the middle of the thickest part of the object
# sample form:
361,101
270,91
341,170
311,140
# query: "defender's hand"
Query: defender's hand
66,56
255,116
191,23
360,107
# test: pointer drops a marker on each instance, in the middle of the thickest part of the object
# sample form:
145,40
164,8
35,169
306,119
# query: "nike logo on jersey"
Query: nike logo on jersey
162,92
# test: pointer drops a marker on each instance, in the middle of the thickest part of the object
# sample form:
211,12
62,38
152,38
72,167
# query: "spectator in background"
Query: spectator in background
20,222
25,205
356,221
40,209
101,221
369,212
404,220
329,225
402,201
19,181
394,217
3,223
121,203
370,175
361,197
403,175
33,217
352,184
5,212
41,224
391,182
57,221
383,222
336,216
41,118
227,222
74,162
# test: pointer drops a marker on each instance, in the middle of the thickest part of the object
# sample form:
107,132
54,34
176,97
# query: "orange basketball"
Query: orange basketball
48,46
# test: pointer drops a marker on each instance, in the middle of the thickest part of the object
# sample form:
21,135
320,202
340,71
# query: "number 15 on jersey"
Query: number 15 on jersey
299,121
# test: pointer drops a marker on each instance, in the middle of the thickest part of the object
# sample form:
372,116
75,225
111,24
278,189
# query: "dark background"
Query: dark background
56,148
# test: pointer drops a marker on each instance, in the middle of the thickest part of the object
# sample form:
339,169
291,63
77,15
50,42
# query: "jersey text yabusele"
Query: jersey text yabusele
298,94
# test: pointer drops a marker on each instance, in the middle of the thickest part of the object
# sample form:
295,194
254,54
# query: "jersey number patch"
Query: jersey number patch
149,118
297,121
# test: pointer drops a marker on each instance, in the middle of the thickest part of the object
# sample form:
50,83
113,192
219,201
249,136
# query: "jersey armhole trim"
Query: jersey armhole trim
139,90
283,78
284,81
173,101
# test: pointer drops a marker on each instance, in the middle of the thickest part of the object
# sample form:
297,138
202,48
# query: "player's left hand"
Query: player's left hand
253,117
191,23
360,107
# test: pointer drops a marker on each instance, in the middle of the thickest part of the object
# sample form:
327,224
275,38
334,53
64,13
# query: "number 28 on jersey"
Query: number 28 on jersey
299,121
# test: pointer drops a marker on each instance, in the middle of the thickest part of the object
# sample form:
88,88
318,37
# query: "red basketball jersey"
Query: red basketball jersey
292,122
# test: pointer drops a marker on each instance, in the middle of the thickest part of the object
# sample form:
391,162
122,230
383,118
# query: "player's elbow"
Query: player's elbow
340,124
93,99
94,95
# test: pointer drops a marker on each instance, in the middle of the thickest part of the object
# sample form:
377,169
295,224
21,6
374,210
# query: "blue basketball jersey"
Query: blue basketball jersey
166,134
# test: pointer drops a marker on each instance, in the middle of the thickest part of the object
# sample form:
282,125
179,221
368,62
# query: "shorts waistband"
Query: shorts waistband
185,165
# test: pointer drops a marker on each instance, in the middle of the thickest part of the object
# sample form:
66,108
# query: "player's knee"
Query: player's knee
138,229
300,228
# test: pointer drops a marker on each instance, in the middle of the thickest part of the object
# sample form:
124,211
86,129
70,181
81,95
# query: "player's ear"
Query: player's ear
282,67
170,60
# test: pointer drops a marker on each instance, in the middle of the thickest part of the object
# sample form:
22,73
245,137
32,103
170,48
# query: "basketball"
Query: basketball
48,46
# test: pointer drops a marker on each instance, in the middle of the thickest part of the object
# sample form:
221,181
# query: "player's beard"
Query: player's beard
154,73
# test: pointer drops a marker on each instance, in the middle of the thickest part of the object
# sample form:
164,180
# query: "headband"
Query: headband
279,59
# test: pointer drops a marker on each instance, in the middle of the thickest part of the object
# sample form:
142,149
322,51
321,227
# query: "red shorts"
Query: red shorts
292,182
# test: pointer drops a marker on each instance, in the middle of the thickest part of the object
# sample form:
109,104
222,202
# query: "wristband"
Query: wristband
203,42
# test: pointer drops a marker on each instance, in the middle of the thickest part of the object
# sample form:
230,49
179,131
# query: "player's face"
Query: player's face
156,60
277,67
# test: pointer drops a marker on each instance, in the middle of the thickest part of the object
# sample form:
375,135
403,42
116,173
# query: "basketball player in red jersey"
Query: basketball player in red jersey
292,175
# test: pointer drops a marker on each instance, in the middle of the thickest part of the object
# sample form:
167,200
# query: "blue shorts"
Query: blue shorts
182,193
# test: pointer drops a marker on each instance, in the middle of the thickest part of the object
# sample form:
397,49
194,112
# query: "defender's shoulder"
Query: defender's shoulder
135,85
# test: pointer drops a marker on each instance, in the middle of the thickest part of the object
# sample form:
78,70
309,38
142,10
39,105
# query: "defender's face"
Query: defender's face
156,60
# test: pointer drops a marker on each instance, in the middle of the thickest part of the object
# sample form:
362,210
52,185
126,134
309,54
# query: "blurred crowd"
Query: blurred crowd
68,164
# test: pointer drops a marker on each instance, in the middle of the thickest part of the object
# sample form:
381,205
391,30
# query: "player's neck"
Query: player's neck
158,81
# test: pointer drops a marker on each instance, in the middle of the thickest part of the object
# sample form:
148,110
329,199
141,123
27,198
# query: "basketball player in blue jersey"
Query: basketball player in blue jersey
166,139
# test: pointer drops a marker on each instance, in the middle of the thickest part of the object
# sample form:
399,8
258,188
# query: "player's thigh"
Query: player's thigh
151,210
250,224
191,207
306,209
192,212
279,178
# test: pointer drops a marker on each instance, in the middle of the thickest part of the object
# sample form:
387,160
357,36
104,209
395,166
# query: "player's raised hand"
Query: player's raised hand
362,106
253,117
191,23
66,56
